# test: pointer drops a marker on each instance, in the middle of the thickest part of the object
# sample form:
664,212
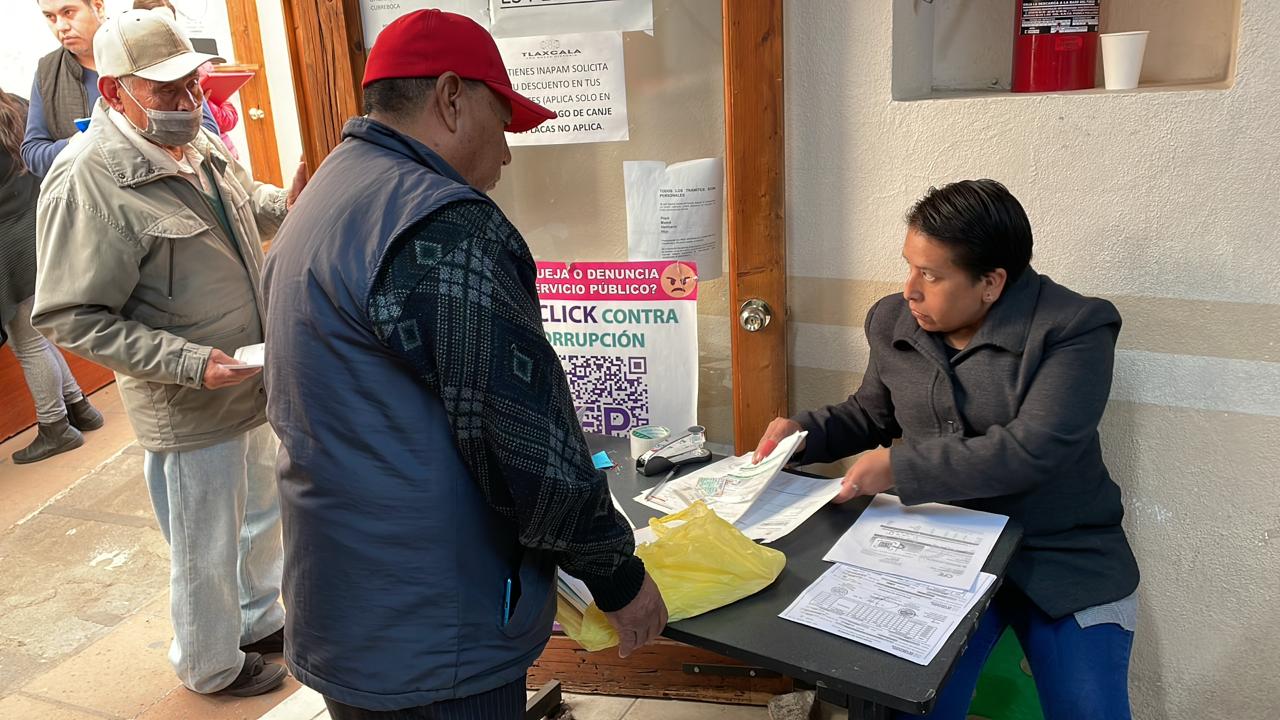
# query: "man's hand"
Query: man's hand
295,188
641,620
778,430
217,374
871,474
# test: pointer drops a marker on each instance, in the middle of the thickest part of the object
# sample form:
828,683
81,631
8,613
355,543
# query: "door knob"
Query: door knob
754,315
256,114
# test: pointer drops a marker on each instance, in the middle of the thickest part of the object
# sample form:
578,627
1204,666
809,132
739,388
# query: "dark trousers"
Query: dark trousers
504,703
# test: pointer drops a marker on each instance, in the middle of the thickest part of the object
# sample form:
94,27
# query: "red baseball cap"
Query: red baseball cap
429,43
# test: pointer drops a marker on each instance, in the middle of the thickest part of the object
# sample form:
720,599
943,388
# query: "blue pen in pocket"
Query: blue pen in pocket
506,605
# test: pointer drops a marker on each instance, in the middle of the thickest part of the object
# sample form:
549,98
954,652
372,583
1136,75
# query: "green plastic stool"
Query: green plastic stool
1005,690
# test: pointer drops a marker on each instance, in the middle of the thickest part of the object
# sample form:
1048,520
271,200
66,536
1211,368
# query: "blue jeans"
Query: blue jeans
219,511
1079,672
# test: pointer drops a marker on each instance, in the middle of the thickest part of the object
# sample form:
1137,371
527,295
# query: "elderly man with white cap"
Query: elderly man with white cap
150,246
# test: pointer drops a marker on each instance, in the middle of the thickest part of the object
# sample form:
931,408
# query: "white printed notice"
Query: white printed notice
519,18
581,77
377,14
934,543
627,335
674,212
905,617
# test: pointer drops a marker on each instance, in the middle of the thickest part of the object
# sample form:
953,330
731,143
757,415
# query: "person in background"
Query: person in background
992,380
62,410
66,83
432,471
224,113
149,241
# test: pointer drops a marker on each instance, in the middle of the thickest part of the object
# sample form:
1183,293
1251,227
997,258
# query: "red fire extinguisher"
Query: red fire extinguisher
1055,45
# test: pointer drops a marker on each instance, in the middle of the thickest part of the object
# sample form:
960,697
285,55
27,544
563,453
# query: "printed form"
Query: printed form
935,543
785,504
905,617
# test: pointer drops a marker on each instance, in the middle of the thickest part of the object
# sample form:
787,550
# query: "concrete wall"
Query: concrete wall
1164,203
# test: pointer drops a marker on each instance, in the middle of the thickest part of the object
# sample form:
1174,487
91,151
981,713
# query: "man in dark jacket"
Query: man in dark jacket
433,473
66,84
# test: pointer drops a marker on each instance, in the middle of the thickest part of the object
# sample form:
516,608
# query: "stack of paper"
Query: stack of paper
904,577
573,590
760,499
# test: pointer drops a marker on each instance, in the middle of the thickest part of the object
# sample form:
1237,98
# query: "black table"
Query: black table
869,682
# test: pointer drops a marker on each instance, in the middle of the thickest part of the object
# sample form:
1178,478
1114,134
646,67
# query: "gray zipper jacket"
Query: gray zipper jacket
138,272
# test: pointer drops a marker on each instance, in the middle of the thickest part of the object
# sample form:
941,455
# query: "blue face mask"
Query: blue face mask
174,128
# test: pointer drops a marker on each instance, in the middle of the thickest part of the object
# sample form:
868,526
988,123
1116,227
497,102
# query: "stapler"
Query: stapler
669,454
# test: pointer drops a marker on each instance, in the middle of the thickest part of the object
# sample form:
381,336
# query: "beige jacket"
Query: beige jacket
137,272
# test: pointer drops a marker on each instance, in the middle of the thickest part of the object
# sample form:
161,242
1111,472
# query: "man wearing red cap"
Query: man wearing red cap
432,470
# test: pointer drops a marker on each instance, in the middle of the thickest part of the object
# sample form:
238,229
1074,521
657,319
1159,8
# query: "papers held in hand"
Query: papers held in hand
250,357
758,498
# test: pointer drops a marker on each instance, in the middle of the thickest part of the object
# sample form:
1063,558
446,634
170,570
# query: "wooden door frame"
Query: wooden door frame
755,197
326,47
246,42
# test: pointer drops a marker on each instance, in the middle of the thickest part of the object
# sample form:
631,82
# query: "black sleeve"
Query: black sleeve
455,298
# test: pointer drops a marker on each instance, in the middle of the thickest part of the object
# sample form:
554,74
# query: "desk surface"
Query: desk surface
751,631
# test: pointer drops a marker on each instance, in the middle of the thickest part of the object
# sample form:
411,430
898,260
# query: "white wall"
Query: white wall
24,39
1165,203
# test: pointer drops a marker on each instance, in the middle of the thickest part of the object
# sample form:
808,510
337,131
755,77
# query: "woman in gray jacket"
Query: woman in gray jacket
62,411
985,386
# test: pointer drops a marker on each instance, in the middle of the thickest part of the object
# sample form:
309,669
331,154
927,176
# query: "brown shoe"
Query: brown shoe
256,678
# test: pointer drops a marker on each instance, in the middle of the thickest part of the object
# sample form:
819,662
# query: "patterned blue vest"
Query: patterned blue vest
395,567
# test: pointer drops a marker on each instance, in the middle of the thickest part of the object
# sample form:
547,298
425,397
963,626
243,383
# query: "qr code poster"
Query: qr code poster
627,335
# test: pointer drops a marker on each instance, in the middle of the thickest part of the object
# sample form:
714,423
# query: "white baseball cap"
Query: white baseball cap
147,44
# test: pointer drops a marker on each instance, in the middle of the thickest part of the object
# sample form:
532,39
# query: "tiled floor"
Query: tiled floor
84,626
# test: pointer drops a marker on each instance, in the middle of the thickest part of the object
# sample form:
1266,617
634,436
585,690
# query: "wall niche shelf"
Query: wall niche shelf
963,49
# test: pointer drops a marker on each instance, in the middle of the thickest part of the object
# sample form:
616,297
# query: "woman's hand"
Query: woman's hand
871,474
778,430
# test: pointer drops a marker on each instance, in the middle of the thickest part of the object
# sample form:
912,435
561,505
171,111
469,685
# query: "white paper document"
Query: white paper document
729,487
518,18
377,14
251,355
904,617
581,77
787,501
935,543
675,212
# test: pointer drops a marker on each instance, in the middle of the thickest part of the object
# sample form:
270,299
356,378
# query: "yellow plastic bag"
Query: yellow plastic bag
699,562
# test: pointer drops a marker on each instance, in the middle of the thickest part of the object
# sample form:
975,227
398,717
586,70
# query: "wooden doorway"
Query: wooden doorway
255,113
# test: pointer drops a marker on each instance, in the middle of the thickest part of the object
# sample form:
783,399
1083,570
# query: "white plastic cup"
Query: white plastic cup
1122,58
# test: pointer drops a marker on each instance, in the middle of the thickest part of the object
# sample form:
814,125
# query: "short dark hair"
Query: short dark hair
402,97
980,222
397,97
